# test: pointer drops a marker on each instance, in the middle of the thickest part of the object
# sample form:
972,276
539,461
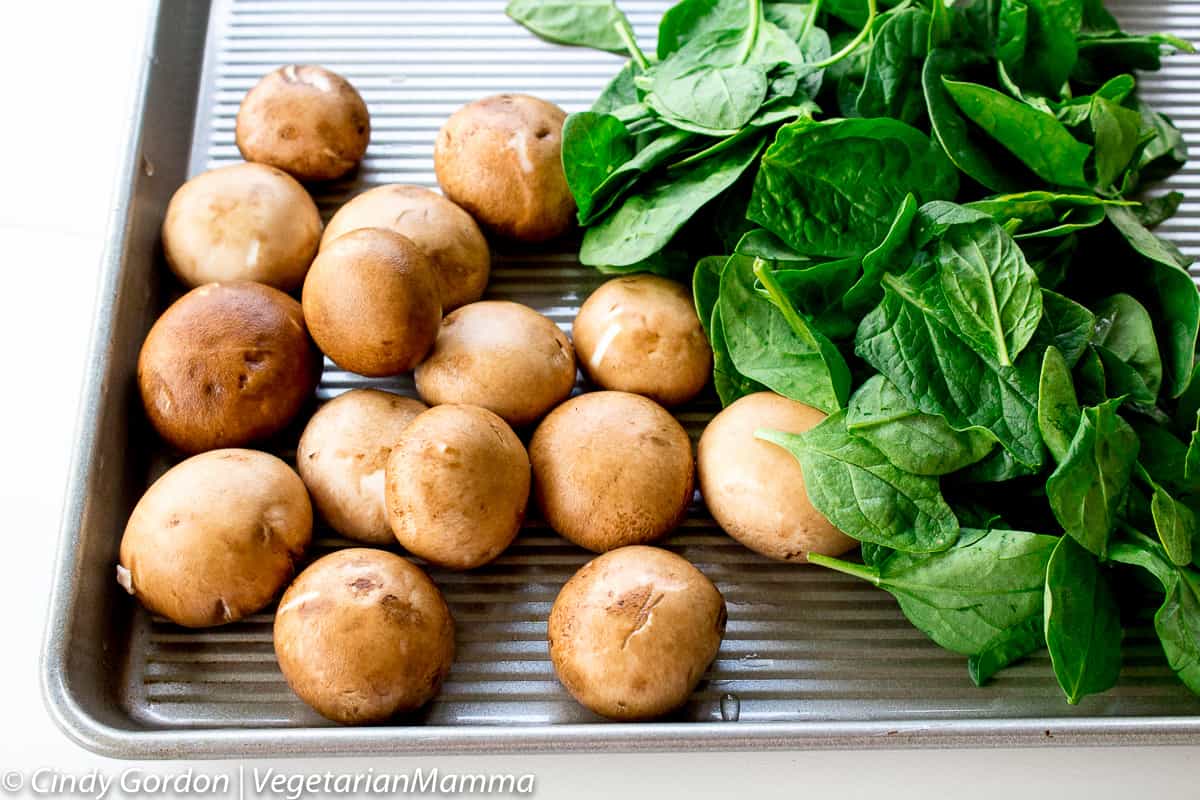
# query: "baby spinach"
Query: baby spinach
1038,139
893,77
1050,48
1083,623
893,253
998,171
706,283
647,219
1177,313
1177,621
990,290
829,189
912,339
588,23
918,443
865,495
594,146
1089,485
771,343
1174,522
1066,325
1058,408
964,597
1010,646
1117,132
1124,328
1042,214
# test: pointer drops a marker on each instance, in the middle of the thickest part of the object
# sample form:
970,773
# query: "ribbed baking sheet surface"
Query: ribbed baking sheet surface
802,643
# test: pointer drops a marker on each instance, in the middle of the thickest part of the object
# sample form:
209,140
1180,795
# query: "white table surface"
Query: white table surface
66,69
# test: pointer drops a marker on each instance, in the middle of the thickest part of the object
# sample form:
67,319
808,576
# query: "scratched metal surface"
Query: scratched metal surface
810,659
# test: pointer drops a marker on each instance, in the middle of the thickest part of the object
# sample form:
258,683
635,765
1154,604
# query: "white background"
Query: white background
66,69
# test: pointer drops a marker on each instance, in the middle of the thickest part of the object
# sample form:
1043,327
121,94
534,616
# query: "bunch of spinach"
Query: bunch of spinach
941,237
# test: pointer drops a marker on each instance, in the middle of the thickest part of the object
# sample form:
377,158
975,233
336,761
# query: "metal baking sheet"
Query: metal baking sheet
811,659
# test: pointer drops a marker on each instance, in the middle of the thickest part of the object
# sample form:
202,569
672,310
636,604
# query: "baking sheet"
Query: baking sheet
810,659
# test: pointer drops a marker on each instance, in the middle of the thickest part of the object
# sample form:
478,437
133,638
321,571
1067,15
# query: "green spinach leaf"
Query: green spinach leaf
1177,311
1010,646
647,219
1059,414
830,189
864,494
1124,328
990,290
1177,621
771,343
964,597
1089,485
1038,139
891,85
912,339
586,23
918,443
1083,623
993,168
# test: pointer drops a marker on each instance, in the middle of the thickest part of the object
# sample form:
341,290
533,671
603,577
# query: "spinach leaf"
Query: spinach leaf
1124,328
620,93
990,290
912,339
1012,34
891,84
1010,646
1123,382
816,291
894,253
1177,315
1102,54
1083,623
998,171
1038,139
864,494
1041,214
1177,621
586,23
1089,485
716,98
1167,152
647,219
1154,211
1058,408
1174,523
592,205
918,443
830,188
691,19
964,597
1051,49
593,147
1117,132
706,286
771,343
1065,325
1164,457
1191,459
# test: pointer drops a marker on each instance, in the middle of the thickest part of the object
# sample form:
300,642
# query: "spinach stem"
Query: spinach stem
635,52
845,567
765,276
853,44
751,31
809,21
